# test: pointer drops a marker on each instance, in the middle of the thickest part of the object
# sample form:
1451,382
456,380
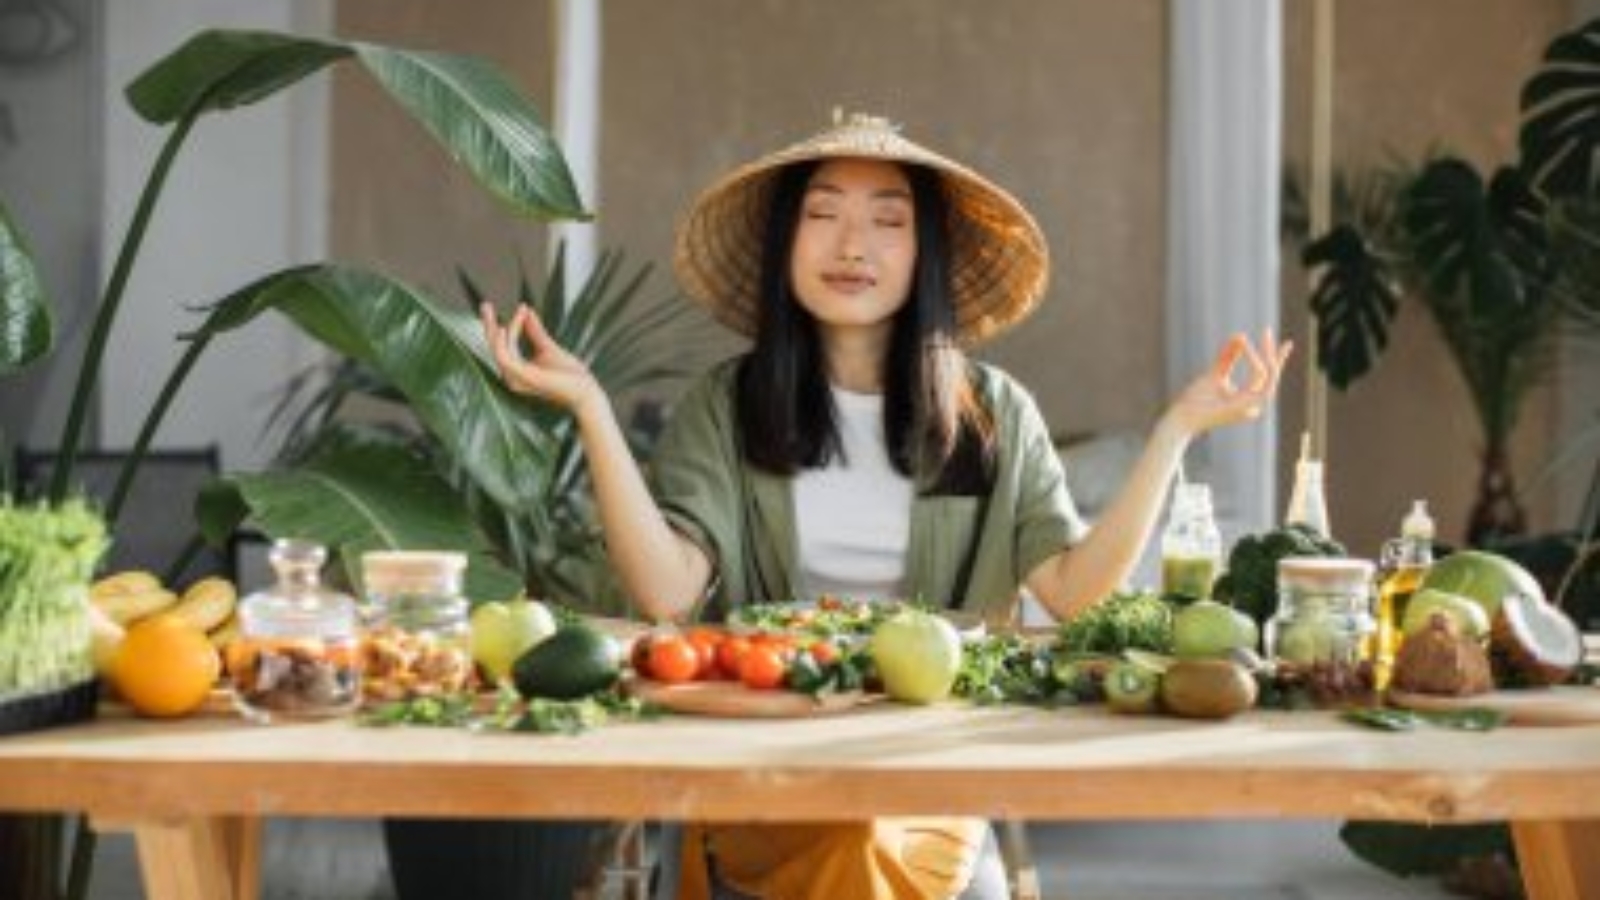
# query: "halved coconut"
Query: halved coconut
1536,640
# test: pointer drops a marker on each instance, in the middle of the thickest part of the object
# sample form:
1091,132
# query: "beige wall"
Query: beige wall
1410,77
399,204
1063,101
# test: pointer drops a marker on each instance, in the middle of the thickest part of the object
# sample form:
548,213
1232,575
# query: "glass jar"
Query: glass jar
418,641
1323,637
1191,545
296,654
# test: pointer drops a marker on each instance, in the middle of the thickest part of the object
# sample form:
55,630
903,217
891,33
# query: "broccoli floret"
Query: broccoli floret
1251,582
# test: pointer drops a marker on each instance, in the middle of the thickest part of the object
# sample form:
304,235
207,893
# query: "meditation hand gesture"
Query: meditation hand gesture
1213,399
549,372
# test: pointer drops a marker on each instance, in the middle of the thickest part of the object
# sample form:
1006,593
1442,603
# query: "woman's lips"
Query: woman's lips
848,283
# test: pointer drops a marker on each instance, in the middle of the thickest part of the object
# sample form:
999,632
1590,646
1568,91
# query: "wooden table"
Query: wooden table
194,791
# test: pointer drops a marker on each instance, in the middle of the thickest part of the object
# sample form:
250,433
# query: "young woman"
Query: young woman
856,449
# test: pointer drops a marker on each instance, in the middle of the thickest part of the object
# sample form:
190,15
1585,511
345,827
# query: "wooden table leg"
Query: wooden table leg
197,859
1559,860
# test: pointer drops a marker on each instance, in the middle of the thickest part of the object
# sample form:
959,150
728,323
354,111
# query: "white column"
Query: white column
1222,227
577,125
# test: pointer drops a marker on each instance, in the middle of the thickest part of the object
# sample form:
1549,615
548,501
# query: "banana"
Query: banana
132,581
127,608
224,634
106,636
207,603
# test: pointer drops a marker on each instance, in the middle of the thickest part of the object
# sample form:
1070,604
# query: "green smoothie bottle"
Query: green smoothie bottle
1191,545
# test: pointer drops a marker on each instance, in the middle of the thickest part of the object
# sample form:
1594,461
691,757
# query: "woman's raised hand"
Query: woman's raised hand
549,372
1213,399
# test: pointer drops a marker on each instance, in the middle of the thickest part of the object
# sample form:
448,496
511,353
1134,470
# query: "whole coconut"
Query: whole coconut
1439,659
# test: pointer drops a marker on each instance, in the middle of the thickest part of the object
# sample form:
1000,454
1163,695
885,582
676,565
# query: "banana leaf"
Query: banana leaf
26,328
465,103
1354,301
434,356
1560,135
356,492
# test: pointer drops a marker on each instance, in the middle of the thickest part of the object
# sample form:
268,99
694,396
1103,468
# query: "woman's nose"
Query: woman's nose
850,249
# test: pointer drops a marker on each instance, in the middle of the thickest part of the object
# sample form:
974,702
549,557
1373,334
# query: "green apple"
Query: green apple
917,655
1208,629
1470,616
501,632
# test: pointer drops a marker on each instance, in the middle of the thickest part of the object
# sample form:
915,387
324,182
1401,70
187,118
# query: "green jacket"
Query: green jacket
969,553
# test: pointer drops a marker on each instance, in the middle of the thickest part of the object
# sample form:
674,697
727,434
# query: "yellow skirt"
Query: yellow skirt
922,858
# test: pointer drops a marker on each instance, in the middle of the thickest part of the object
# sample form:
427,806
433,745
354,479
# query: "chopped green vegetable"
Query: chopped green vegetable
1126,620
1008,669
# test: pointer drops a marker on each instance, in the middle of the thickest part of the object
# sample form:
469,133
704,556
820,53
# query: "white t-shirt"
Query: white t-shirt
853,517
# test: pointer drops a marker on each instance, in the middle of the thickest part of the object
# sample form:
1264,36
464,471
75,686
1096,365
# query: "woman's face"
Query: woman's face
856,245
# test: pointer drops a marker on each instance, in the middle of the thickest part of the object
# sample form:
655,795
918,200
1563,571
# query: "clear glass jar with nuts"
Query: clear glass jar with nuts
296,654
418,641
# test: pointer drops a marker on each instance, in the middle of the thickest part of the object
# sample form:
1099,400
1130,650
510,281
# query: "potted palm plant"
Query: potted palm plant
1501,264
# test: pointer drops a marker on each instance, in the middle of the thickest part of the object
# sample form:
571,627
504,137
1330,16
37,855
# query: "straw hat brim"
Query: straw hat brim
999,262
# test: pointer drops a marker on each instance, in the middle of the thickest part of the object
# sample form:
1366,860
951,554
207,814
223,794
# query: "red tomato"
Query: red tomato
730,654
763,668
705,642
673,659
824,652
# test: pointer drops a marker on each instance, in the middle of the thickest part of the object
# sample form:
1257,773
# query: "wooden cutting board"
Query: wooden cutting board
730,699
1567,705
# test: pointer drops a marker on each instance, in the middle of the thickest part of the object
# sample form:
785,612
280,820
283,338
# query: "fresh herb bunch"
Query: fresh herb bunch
1007,669
47,558
1126,620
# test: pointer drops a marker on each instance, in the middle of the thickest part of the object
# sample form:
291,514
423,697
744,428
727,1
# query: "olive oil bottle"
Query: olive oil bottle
1405,562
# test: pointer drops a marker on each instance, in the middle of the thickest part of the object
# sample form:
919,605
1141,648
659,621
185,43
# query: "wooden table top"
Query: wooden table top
1001,762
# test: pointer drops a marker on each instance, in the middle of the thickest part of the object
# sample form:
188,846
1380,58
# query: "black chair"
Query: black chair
156,528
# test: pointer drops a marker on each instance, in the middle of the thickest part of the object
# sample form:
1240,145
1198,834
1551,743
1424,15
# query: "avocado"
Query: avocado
574,662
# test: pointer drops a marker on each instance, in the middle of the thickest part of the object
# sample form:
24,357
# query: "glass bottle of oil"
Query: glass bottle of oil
1405,561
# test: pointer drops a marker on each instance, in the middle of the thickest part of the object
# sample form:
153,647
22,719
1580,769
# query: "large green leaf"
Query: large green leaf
1482,267
219,70
484,123
424,350
357,493
1560,137
1354,302
26,330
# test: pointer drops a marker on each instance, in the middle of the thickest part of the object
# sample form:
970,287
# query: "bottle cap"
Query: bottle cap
1417,523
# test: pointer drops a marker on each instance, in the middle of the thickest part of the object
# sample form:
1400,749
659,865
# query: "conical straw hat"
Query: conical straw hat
999,263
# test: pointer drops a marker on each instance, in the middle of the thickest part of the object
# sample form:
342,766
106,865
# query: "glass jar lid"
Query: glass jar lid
1325,574
412,571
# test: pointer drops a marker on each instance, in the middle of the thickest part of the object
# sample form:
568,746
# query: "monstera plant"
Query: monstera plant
486,126
1500,262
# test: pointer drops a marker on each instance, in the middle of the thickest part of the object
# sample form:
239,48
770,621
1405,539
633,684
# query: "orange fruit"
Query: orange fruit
165,667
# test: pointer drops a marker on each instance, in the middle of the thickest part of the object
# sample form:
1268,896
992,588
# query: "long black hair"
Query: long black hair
937,430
